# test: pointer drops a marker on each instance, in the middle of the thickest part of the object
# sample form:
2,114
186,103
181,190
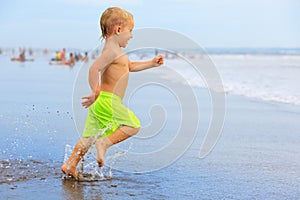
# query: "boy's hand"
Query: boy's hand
158,60
89,100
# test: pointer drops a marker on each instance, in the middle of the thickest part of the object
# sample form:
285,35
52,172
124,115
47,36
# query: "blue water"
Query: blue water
257,156
254,51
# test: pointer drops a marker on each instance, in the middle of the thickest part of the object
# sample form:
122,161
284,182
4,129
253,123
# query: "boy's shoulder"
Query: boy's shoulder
115,56
121,60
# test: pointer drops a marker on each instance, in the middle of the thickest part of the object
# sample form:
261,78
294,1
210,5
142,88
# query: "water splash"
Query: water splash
87,168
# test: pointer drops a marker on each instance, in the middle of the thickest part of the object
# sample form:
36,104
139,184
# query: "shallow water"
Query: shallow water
257,156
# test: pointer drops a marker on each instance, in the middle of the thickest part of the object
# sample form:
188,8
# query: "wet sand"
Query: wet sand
257,156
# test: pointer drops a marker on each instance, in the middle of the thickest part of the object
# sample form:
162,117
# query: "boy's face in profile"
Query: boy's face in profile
125,33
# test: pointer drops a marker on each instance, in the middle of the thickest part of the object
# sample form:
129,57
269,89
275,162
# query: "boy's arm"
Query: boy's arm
139,66
99,65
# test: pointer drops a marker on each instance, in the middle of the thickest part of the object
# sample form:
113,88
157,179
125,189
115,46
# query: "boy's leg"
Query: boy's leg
121,134
79,151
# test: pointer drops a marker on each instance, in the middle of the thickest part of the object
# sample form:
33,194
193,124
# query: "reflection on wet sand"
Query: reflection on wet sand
72,189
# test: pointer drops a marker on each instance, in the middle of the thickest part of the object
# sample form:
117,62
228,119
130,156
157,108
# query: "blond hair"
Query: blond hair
112,17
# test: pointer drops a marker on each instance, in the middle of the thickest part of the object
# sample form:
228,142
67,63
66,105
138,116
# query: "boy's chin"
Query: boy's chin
123,46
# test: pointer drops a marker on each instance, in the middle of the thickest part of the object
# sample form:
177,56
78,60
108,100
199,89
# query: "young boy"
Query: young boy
106,110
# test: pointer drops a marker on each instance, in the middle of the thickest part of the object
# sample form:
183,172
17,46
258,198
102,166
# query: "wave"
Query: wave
262,94
268,78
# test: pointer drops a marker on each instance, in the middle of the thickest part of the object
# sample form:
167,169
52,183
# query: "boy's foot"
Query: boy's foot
68,170
100,161
101,150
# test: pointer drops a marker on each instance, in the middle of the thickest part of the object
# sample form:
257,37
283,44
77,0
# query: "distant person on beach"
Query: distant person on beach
71,60
57,61
30,51
85,58
57,56
45,51
21,57
62,54
77,56
109,121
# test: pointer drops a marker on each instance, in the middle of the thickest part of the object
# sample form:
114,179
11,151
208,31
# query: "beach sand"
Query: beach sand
256,157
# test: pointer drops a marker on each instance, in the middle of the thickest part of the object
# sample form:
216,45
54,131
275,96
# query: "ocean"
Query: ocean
256,155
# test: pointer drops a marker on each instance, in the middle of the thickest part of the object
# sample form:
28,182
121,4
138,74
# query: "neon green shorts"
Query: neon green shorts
106,115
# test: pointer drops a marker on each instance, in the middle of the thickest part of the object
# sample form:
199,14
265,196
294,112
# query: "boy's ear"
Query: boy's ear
118,30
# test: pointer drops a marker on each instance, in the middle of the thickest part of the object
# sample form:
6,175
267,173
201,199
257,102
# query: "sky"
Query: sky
210,23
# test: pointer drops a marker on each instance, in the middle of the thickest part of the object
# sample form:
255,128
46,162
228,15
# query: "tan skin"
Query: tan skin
114,66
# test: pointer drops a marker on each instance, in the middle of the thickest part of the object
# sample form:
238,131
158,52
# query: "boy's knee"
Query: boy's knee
133,131
130,130
136,130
